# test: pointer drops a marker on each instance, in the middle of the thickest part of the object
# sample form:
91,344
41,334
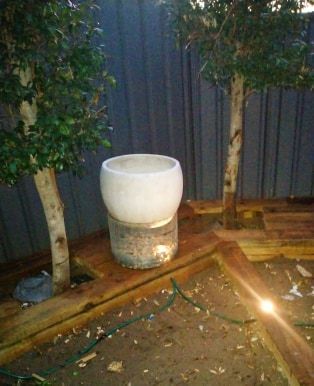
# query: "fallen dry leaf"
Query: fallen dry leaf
184,377
295,291
288,297
115,367
288,275
87,358
304,272
137,301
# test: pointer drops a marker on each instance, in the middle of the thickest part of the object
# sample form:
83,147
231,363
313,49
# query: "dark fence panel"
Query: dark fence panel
162,105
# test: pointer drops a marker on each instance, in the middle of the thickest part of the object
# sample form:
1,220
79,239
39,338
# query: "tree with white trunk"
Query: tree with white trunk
245,46
52,84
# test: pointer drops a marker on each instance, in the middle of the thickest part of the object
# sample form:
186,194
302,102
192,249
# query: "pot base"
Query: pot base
143,246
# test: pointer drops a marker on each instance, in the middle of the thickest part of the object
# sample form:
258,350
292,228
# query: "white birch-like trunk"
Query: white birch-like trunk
46,185
234,152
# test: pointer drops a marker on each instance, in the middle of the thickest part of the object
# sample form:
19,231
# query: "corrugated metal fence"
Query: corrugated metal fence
161,105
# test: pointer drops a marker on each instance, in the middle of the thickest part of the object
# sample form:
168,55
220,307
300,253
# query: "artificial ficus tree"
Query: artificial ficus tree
245,46
52,83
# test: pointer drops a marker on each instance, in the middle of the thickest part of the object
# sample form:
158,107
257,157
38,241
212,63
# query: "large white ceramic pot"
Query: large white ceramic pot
141,188
142,193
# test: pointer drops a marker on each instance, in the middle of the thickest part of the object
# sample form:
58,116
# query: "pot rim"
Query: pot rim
106,167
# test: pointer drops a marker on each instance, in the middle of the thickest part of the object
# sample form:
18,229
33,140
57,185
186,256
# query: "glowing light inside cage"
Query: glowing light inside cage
162,250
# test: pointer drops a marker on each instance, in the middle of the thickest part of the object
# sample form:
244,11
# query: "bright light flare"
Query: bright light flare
267,306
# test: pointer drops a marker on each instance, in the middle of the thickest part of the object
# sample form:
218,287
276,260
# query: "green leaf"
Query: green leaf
106,143
12,167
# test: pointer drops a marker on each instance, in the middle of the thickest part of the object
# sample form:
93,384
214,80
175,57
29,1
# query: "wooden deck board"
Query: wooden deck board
215,206
289,220
260,234
262,250
261,245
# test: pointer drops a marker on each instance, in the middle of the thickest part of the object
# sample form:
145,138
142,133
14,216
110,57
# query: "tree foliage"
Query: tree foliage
60,44
245,46
263,41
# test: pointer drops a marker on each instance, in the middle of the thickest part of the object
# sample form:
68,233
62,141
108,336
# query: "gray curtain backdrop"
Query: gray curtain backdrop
162,105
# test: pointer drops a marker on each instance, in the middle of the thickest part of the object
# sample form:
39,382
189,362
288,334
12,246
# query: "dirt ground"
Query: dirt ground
182,345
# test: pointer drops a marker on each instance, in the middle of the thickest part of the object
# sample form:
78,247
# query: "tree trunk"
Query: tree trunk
234,151
46,185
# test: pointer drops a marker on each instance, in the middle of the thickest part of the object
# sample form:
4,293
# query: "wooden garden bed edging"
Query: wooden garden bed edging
114,285
292,352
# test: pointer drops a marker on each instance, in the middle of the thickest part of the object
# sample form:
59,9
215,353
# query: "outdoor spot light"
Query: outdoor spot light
267,306
142,193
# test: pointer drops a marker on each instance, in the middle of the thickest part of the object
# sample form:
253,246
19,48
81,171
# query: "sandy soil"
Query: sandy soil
182,345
